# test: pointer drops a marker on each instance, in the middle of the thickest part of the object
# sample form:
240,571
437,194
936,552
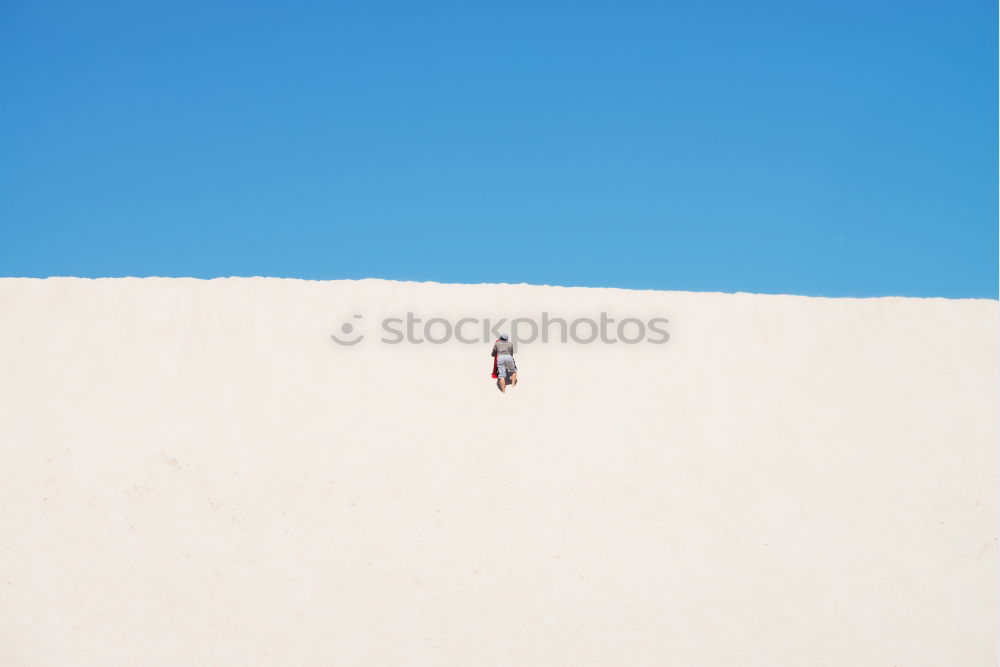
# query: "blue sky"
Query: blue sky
837,149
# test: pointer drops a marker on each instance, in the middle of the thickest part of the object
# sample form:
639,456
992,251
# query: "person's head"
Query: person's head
503,336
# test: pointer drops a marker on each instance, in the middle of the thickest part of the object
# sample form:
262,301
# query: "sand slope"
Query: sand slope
193,473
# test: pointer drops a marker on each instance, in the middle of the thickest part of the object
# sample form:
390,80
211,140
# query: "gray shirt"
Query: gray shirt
502,347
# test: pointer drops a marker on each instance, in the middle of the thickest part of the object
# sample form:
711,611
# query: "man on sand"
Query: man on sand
503,350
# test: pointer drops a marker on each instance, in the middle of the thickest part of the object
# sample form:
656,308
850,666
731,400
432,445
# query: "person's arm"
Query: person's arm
494,352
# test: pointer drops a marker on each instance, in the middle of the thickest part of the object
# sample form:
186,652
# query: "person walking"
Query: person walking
503,351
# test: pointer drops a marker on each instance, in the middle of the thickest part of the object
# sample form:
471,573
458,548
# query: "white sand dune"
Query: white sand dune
193,473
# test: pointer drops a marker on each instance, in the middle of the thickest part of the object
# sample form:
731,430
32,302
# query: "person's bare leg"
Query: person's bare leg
503,386
513,378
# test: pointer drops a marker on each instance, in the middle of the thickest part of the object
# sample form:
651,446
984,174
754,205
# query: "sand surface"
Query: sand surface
193,473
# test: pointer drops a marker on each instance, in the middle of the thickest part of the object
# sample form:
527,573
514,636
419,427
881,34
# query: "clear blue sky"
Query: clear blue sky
837,148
